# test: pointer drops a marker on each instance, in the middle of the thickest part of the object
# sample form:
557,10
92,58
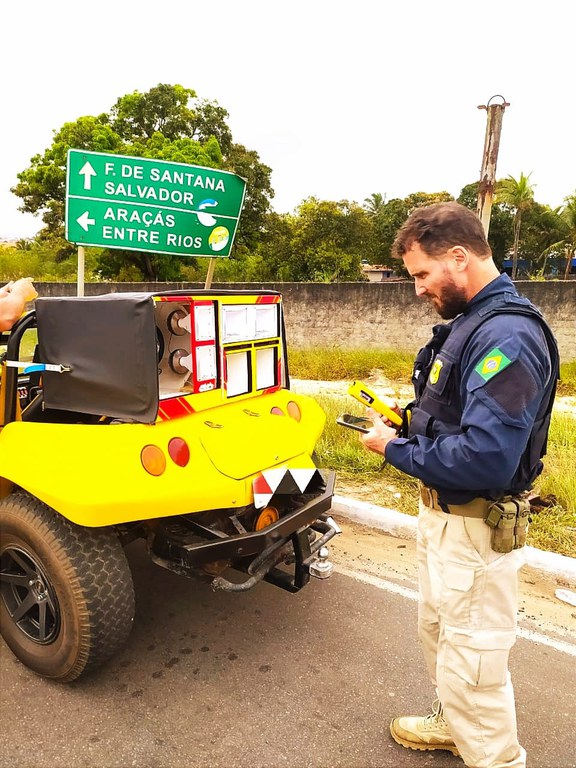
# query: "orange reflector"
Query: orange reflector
153,460
276,411
294,410
268,516
179,451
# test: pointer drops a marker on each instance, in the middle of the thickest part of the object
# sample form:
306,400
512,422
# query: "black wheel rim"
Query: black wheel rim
29,596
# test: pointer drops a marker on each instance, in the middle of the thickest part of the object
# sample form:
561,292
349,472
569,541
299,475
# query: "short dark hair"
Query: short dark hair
440,226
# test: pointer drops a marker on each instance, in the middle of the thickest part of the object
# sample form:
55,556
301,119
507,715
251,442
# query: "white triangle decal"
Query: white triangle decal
274,477
302,477
261,499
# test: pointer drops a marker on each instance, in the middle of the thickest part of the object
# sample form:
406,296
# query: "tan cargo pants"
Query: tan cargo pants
467,626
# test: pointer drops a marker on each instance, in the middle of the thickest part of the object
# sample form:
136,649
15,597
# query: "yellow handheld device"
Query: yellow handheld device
366,396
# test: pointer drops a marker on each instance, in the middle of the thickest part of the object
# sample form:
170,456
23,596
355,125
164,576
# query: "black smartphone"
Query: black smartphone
359,423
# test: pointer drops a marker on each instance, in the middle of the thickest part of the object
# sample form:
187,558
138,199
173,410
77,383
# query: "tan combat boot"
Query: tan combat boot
425,733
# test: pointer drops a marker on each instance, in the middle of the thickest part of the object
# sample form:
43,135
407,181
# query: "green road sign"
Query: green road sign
151,205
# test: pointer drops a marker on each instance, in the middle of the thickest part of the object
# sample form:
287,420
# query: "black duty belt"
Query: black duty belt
478,507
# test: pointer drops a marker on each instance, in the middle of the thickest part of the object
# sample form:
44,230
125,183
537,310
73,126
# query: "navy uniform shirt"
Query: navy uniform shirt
504,370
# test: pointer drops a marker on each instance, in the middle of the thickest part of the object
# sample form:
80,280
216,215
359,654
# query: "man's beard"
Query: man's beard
450,302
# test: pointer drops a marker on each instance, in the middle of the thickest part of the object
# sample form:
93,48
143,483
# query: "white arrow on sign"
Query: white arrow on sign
85,221
87,171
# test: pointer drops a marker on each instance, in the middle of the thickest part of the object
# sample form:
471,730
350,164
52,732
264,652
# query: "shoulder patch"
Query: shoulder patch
435,371
494,362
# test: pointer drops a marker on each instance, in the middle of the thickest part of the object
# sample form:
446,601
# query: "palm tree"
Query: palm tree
567,214
375,203
518,195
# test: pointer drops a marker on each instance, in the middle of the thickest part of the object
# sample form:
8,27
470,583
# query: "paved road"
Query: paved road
262,679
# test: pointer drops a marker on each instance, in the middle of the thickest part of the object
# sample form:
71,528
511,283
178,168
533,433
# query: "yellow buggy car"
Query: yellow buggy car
161,416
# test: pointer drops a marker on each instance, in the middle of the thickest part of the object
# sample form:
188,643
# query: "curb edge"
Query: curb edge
403,526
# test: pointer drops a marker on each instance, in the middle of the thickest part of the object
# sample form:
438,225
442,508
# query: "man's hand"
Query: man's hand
5,289
13,299
24,287
381,433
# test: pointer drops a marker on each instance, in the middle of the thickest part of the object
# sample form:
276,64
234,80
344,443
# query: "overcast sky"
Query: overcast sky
340,99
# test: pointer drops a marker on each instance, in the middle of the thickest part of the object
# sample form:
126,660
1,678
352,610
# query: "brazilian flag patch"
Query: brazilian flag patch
494,362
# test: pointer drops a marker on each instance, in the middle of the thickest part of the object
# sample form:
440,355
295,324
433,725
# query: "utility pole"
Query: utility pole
495,113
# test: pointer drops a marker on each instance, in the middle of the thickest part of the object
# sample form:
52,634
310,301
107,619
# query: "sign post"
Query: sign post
210,273
81,262
138,204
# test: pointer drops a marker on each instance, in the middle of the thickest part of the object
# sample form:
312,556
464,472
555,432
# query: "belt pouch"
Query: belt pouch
522,521
502,519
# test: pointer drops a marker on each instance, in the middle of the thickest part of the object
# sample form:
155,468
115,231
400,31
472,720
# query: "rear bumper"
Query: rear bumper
256,553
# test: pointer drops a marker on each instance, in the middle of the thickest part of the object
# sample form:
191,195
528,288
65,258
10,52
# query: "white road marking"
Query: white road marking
412,594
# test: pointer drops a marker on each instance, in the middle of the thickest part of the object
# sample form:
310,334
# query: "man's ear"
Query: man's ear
460,256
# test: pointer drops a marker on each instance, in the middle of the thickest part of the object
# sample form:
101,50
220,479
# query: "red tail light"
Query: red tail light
178,451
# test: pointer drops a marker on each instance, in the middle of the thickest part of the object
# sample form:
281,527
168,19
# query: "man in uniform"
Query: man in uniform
474,437
13,299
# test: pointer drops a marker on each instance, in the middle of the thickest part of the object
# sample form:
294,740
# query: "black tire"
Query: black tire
66,592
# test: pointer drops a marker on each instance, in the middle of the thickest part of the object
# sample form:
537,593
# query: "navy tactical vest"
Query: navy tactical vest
438,410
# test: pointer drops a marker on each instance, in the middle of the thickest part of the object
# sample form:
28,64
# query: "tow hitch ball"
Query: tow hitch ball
322,568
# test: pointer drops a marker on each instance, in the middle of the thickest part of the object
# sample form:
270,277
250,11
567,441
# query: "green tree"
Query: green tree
167,109
418,199
386,224
274,252
246,163
330,240
168,122
517,194
323,241
390,217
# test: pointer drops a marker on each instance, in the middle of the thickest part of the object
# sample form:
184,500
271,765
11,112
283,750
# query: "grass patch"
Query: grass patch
334,364
554,528
27,345
567,383
29,341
